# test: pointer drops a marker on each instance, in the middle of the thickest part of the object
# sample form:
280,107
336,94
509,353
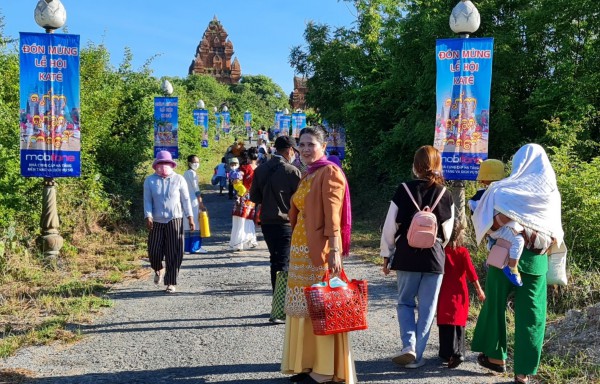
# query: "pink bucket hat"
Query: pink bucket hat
164,157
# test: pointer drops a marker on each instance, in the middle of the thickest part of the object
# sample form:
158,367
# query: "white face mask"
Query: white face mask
234,167
194,166
164,170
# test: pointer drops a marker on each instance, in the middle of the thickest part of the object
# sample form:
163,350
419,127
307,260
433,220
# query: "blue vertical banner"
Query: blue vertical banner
225,121
284,124
298,122
217,126
166,125
201,120
276,127
336,140
49,105
248,121
463,87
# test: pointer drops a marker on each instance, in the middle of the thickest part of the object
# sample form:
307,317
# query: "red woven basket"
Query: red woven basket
243,208
340,309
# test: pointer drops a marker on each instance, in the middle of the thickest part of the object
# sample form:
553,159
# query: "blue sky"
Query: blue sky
262,32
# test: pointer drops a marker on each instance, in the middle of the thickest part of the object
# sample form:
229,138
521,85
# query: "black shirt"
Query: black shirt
407,258
273,186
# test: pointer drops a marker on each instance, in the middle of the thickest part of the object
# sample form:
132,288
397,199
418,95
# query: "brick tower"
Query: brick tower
213,55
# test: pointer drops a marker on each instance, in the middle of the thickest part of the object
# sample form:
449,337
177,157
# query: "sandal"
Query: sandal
298,378
455,360
171,289
485,362
522,380
309,380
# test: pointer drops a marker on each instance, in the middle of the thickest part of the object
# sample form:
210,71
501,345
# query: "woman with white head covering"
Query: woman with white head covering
530,197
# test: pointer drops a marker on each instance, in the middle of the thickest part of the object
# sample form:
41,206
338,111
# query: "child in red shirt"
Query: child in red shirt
453,300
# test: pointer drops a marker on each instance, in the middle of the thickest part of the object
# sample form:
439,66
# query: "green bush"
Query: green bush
580,192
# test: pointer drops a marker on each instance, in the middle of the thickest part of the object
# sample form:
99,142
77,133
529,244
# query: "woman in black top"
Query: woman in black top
419,271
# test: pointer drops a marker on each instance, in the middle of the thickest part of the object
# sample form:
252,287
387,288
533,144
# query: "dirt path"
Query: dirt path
216,329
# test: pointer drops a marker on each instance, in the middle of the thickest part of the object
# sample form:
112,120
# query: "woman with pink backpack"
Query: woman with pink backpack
417,227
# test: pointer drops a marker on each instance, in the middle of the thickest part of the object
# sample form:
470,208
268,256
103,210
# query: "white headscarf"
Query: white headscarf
528,196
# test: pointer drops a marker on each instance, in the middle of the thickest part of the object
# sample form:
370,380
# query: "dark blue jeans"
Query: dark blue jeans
278,238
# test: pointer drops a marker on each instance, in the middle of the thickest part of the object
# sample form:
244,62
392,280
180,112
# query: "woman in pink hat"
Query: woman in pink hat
166,200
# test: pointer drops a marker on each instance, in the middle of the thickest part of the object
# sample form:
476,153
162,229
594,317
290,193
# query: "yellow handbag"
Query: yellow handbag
204,226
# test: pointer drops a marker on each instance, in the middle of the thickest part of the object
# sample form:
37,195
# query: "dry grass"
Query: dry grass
16,376
39,300
366,236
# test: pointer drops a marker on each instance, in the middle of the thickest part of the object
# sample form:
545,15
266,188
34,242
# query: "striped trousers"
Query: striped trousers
165,241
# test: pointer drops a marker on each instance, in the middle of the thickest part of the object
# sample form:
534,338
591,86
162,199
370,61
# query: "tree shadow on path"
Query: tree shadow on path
381,371
191,375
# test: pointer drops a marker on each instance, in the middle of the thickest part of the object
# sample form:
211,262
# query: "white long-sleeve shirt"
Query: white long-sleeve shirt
166,198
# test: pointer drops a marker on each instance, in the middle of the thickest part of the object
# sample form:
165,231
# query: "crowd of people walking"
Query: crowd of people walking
300,195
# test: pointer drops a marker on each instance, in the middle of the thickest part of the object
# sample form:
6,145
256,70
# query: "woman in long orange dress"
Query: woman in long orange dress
320,218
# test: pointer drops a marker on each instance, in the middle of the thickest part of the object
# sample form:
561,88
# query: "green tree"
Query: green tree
377,78
261,96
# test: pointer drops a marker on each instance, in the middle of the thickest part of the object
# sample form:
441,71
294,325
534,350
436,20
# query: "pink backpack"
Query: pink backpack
423,228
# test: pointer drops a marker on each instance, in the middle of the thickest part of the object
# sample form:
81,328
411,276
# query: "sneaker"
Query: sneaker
276,321
201,250
513,276
415,364
171,289
407,356
159,277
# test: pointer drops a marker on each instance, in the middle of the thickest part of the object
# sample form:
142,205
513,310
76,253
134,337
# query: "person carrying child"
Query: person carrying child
530,197
241,236
509,234
453,300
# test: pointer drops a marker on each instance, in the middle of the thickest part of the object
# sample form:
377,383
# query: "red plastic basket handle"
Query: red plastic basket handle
343,276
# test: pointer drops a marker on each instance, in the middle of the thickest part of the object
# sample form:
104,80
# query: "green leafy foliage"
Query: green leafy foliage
378,77
580,192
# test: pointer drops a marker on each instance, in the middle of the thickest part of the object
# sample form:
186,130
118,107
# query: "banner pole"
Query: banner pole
51,239
458,196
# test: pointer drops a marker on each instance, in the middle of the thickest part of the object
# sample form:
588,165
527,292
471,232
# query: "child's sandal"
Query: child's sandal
455,360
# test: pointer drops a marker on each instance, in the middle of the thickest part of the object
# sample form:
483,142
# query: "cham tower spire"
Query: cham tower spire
213,55
298,95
